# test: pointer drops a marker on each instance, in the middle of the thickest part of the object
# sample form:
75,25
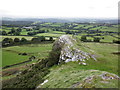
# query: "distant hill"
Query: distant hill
63,20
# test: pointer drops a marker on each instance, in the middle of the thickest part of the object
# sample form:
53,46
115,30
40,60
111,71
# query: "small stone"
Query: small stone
84,64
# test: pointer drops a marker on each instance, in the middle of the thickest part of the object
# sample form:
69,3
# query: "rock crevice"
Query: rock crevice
66,45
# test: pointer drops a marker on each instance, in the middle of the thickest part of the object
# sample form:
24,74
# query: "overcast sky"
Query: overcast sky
60,8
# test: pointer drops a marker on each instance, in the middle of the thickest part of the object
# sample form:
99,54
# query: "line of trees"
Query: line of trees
17,41
95,39
36,32
13,31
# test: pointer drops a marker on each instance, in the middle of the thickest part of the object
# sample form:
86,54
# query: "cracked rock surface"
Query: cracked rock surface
66,45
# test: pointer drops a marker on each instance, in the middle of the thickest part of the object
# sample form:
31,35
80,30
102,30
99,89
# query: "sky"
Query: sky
59,8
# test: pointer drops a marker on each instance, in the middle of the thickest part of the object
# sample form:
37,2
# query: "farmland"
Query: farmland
11,54
34,41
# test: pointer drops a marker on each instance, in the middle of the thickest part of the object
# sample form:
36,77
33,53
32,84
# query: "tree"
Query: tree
7,41
12,30
19,29
10,41
51,39
31,33
0,32
42,38
83,38
96,39
116,41
35,40
4,33
16,33
16,40
23,40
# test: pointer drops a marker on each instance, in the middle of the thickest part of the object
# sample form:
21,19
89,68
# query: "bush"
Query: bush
83,38
23,40
35,40
29,78
24,53
51,39
89,40
96,40
116,41
7,42
16,40
42,38
4,33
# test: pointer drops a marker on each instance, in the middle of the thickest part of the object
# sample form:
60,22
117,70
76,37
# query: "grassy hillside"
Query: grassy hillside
106,60
45,64
72,75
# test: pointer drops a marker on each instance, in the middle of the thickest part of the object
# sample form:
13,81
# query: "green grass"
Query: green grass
49,34
10,54
23,32
108,38
66,75
7,29
56,24
9,58
112,29
30,48
106,61
57,32
78,26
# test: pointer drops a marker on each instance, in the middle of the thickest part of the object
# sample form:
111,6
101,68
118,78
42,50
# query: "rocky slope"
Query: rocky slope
67,47
70,75
73,75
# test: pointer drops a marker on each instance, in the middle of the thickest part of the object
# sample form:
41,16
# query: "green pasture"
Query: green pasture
9,57
10,54
49,34
108,38
57,32
23,32
112,29
78,26
106,60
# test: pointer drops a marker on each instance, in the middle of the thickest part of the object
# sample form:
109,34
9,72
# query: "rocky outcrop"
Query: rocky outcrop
68,50
101,79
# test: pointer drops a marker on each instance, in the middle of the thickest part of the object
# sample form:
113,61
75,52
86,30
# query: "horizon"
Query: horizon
15,17
60,9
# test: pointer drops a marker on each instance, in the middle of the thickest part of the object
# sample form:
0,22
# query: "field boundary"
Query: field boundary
8,66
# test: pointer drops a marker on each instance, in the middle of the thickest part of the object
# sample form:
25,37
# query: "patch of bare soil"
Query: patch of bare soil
12,71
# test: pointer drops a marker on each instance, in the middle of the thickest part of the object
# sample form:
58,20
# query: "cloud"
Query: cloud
57,8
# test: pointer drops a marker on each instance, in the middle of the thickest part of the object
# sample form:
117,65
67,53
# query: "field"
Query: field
107,61
16,51
10,54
